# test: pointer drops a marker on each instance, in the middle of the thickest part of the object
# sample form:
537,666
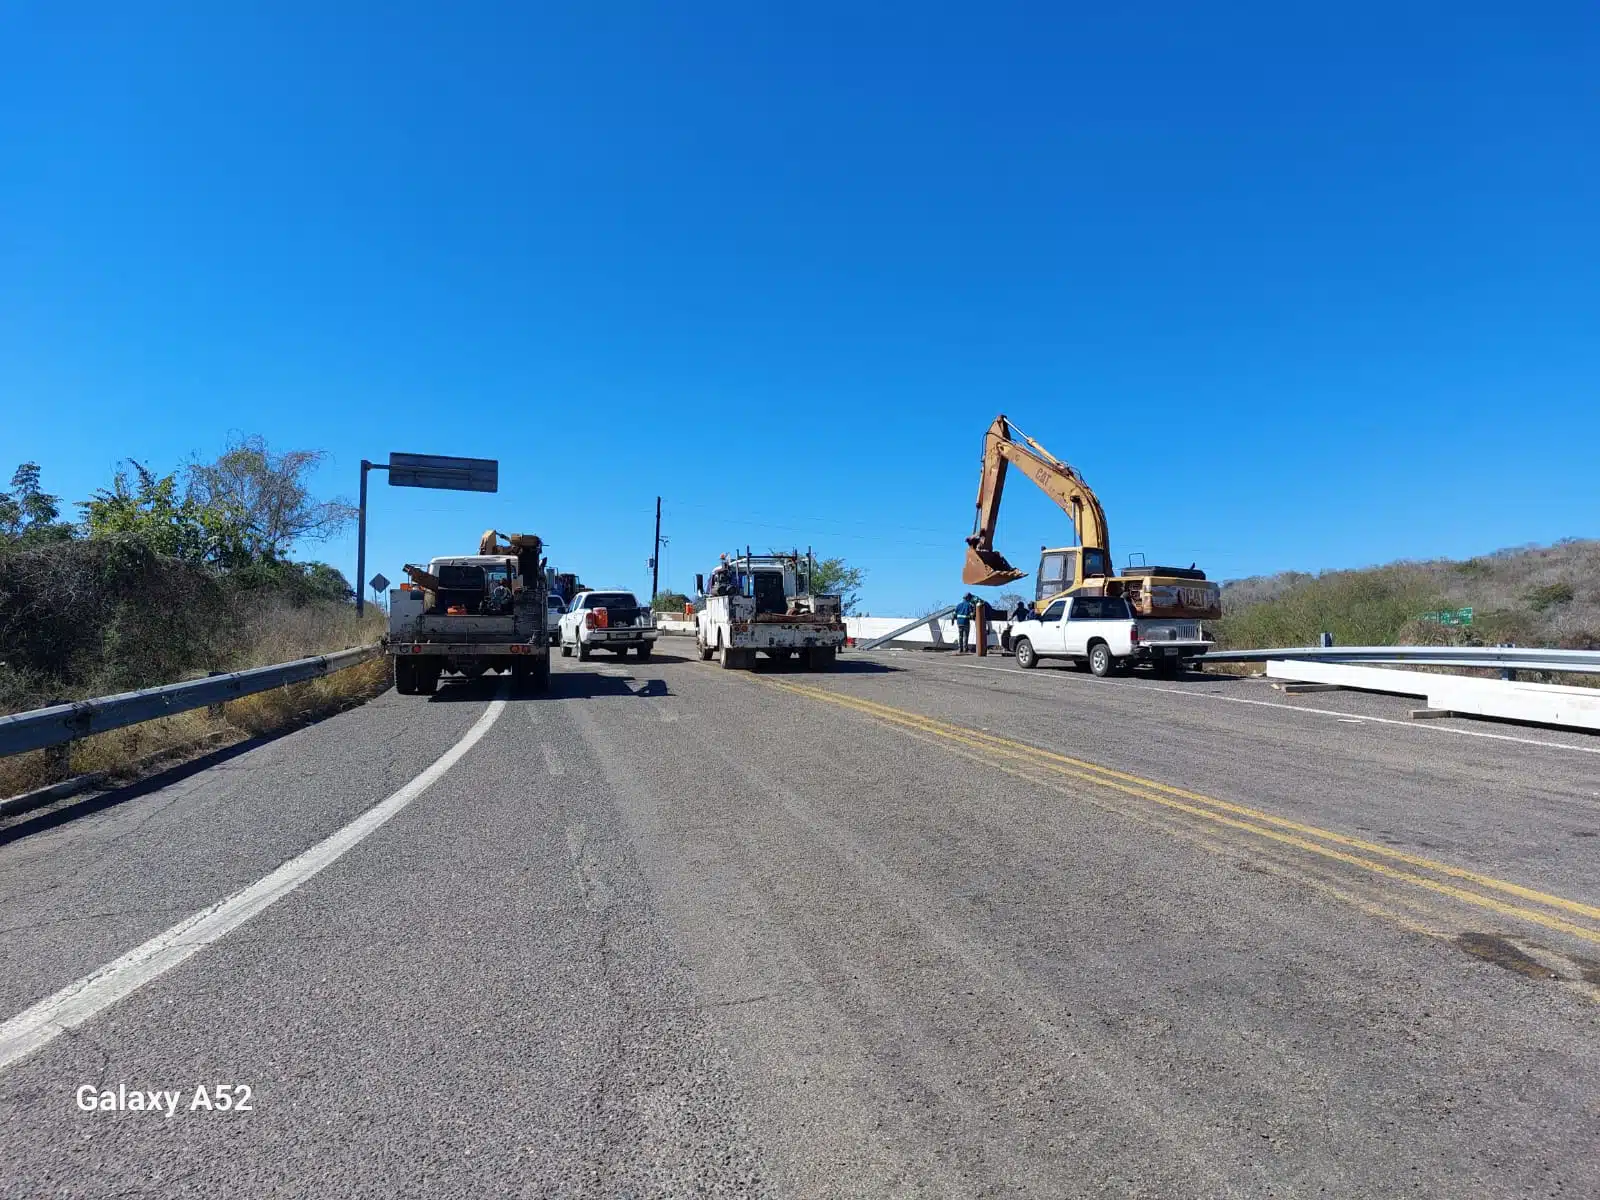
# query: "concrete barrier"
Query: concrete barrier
939,634
1540,703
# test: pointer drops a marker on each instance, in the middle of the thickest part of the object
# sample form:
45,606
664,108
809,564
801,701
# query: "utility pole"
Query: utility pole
655,559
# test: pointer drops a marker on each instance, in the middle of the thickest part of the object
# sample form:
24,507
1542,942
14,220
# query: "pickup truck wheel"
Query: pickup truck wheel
583,651
1100,661
728,658
541,675
820,658
427,681
519,678
566,650
705,651
643,651
1026,658
405,677
1168,668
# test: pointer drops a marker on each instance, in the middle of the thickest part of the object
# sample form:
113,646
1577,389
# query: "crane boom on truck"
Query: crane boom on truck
1170,593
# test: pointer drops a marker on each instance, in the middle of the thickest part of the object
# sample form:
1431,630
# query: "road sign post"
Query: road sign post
423,471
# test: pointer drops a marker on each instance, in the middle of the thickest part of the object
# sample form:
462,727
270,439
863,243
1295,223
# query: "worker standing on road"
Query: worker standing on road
964,612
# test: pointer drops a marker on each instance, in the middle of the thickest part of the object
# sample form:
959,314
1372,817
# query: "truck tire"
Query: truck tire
705,650
583,651
728,658
644,651
541,675
1101,662
820,658
1026,658
519,678
1168,668
405,677
566,650
427,680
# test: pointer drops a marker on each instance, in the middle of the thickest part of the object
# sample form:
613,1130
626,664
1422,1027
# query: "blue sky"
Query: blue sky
1291,289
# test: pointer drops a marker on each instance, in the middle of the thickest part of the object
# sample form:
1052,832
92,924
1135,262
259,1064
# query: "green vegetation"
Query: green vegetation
1532,596
834,577
669,602
167,577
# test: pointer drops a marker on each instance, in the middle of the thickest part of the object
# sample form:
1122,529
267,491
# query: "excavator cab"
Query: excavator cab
1068,567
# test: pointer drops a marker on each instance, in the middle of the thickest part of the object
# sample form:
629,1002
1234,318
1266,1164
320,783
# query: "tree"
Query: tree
1009,600
261,501
28,513
668,602
832,577
147,506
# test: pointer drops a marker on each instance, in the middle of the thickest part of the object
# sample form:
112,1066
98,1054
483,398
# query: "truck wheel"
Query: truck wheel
427,681
1026,658
541,675
583,651
1101,663
820,658
728,658
566,650
519,678
405,677
1168,668
705,650
644,651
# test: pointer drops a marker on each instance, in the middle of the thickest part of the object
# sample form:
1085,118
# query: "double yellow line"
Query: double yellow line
1553,912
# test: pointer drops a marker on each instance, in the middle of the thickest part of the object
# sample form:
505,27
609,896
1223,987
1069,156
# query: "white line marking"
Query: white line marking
77,1002
551,762
1321,712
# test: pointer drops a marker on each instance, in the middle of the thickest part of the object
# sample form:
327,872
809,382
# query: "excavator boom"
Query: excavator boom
1004,445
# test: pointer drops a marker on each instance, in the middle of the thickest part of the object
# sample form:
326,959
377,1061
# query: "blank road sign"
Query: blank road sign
379,581
442,471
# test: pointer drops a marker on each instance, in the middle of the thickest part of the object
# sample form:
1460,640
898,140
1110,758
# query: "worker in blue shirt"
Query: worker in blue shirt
964,612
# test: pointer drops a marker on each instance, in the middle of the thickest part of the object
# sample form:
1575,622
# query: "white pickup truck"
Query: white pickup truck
612,621
1101,634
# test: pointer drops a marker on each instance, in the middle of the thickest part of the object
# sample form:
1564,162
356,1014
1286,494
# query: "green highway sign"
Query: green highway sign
1449,616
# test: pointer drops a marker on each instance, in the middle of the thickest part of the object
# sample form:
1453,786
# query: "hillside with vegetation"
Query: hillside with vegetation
1528,596
164,578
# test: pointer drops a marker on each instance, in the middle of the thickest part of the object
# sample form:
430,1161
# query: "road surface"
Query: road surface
923,926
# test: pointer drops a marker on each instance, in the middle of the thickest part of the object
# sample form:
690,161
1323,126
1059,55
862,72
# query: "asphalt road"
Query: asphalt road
919,927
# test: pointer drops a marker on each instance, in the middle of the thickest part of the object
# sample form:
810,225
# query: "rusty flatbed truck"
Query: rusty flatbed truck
762,604
470,614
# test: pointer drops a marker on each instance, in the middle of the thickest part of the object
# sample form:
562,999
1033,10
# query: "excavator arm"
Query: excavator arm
1004,445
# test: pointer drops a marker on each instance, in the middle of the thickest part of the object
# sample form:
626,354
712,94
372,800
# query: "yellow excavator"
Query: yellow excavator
1084,569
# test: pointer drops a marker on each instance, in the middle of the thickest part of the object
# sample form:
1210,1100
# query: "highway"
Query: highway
922,926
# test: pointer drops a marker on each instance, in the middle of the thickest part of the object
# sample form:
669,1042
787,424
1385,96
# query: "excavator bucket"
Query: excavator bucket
988,568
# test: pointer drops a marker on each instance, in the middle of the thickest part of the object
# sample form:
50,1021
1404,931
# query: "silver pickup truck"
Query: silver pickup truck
1101,634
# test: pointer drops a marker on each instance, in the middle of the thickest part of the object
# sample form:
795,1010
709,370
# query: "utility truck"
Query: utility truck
470,614
763,604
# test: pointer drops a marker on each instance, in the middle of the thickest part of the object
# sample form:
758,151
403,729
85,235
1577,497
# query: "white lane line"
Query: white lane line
551,762
77,1002
1321,712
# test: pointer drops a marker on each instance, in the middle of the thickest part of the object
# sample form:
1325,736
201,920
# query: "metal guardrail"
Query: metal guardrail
44,727
1516,658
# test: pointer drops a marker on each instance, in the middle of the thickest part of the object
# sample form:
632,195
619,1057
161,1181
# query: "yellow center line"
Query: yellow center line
1235,816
